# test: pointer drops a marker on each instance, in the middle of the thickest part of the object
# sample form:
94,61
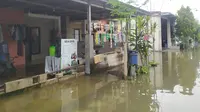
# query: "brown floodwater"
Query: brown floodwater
173,86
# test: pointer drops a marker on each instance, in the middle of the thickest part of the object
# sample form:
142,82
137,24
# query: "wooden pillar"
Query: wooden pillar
126,52
87,41
63,25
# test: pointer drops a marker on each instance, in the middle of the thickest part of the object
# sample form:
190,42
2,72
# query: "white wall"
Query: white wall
158,34
169,34
45,25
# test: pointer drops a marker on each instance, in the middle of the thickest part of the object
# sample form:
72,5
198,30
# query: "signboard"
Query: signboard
68,53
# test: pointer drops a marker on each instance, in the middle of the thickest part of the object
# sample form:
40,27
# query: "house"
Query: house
63,18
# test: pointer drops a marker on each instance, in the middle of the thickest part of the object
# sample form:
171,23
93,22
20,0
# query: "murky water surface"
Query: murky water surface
173,86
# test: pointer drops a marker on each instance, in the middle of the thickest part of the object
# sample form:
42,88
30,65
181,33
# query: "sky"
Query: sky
172,6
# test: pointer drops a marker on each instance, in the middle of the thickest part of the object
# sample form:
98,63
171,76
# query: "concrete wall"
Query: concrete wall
157,35
70,29
10,16
169,33
45,25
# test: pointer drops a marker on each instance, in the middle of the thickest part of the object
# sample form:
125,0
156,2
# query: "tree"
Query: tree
197,31
185,24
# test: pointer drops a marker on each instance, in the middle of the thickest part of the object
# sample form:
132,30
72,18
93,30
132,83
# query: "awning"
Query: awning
76,9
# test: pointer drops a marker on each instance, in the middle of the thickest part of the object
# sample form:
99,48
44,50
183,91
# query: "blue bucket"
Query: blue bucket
133,58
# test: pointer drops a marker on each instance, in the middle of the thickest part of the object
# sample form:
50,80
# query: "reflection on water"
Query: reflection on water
173,86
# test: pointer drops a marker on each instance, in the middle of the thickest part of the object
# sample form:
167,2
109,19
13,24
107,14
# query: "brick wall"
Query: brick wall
10,16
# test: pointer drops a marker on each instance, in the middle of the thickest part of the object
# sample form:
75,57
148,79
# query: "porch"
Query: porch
44,16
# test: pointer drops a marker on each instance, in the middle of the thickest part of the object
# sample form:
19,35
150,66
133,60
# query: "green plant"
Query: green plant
140,40
142,70
143,44
153,63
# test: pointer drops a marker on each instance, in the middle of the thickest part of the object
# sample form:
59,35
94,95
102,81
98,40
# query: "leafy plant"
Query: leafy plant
143,70
153,63
140,38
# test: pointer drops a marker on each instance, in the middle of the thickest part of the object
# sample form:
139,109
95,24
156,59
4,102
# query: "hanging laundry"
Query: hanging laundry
123,37
4,47
107,36
52,64
115,39
104,37
119,37
99,38
20,51
57,62
19,38
111,41
102,40
119,28
96,38
13,32
111,45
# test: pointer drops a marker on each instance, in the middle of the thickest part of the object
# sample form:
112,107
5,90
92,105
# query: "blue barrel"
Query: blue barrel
133,58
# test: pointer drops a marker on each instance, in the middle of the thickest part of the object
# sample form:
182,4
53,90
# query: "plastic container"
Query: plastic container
133,58
52,51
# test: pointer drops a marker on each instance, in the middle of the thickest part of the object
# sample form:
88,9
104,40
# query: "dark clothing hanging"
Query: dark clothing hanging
20,40
58,48
20,51
4,51
17,33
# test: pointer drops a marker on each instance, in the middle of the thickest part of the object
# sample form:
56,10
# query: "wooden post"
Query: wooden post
126,52
87,41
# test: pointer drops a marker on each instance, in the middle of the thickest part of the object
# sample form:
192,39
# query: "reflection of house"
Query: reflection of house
156,73
165,75
170,75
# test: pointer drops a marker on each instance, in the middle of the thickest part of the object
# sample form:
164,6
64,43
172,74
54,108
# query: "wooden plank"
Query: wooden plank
35,80
18,84
114,60
43,78
59,75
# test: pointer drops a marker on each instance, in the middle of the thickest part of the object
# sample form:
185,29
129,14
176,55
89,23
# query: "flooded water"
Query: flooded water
173,86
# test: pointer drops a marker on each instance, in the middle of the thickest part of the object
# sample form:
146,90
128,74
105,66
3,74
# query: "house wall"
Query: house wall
169,33
10,17
45,25
70,29
157,35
